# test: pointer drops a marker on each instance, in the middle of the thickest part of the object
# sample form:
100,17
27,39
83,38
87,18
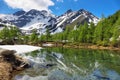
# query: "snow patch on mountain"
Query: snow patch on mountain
9,17
75,18
58,30
43,20
2,15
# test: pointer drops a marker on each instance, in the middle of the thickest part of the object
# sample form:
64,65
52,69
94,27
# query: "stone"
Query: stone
4,52
9,62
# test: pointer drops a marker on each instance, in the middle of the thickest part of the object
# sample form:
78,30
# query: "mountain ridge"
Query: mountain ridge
41,20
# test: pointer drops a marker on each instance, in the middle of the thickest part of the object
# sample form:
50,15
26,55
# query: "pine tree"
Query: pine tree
90,32
48,36
98,34
83,33
4,33
116,36
14,33
34,37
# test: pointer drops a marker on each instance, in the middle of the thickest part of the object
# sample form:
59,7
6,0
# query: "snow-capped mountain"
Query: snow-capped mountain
5,24
42,20
32,19
80,16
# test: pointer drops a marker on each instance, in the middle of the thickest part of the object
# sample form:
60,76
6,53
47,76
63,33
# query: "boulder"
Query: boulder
6,52
7,55
9,62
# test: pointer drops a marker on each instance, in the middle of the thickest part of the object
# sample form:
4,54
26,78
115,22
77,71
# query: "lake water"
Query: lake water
71,64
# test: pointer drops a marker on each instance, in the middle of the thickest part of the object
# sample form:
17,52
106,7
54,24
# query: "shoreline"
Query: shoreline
79,46
23,48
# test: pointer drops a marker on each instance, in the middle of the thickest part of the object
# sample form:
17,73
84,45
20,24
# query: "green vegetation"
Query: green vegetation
105,33
85,59
9,35
12,35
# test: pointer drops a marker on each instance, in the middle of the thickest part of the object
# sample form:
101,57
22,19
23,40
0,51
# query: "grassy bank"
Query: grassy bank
79,45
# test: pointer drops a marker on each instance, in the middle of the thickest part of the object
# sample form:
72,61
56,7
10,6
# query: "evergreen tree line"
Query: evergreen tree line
13,35
105,33
8,35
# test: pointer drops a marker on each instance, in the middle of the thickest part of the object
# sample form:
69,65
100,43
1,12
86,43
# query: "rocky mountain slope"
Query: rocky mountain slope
42,20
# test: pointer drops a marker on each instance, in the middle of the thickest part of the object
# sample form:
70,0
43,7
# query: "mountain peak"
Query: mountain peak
85,12
18,13
68,11
82,10
44,11
41,20
33,11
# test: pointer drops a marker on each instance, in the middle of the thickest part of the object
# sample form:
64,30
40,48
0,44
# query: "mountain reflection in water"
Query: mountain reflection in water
71,64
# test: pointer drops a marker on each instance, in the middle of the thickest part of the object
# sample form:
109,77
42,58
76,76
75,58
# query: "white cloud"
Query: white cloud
30,4
59,0
75,0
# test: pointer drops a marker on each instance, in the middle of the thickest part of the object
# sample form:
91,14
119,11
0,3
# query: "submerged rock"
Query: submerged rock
10,62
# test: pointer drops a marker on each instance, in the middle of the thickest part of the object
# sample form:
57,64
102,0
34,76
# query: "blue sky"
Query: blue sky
58,7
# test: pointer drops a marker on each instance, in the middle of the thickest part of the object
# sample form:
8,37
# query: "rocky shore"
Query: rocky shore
9,62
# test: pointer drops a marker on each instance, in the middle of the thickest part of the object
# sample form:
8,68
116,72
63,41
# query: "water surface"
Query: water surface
72,64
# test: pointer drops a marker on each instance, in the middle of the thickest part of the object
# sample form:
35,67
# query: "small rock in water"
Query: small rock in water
101,77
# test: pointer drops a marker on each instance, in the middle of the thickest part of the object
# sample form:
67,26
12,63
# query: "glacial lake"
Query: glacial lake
71,64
